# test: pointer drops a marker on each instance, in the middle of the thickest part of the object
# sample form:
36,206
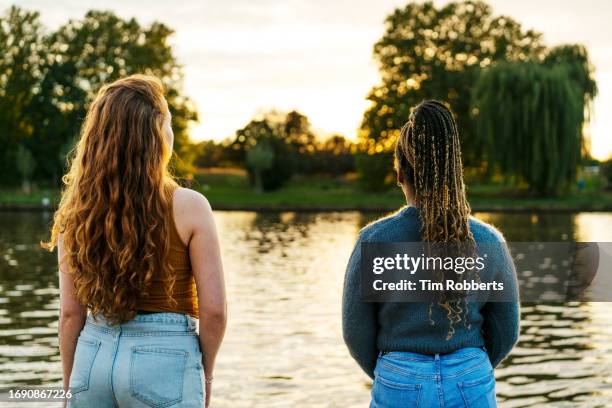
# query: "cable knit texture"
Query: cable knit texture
369,328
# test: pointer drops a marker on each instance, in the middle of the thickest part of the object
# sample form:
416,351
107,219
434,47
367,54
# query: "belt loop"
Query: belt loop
191,323
437,357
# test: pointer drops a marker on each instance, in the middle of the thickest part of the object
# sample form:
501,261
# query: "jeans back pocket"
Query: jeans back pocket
390,394
479,393
84,357
156,375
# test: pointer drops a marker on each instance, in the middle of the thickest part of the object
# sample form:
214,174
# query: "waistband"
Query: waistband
461,353
434,367
150,322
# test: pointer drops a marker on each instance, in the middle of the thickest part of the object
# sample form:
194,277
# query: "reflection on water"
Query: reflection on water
284,344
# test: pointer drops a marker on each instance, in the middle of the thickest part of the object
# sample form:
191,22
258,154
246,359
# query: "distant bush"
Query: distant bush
220,177
606,172
265,131
208,154
333,157
375,171
281,170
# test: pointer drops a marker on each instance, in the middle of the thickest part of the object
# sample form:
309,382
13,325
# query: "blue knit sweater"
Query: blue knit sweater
401,326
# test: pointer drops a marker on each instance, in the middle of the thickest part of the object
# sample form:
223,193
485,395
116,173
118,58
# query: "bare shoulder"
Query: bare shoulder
190,201
191,210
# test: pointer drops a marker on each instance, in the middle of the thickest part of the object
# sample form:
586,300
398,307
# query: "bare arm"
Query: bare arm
205,255
72,317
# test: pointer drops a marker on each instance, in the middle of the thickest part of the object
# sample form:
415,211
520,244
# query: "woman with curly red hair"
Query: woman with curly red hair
141,255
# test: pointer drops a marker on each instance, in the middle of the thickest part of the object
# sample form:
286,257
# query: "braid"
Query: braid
428,155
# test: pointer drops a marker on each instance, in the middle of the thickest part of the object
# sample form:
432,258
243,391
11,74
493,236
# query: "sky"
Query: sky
244,57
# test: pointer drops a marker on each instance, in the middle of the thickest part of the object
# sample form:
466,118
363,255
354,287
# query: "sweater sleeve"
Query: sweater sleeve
502,318
359,319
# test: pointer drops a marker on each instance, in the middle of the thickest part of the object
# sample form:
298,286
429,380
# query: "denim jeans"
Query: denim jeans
462,379
154,360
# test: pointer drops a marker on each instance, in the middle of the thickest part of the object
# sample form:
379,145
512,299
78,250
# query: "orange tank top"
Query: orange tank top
184,291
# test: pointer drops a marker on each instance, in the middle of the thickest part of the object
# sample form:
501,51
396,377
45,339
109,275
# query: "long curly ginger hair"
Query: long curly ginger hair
113,217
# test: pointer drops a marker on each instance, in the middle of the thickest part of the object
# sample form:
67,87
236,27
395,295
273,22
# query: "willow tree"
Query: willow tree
530,118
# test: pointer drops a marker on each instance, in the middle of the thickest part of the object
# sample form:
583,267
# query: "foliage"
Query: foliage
429,52
25,166
260,158
294,144
333,156
20,57
445,52
606,171
529,117
298,134
208,153
575,58
373,170
63,70
269,130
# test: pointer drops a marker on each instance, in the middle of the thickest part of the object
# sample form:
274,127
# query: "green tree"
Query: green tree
208,153
302,141
606,172
102,47
530,115
20,56
298,132
374,170
260,158
430,52
334,156
48,80
25,166
575,59
268,130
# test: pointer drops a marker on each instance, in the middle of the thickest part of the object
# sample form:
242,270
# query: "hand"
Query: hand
208,394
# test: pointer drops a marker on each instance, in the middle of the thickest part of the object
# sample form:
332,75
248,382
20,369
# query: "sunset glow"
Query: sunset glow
243,57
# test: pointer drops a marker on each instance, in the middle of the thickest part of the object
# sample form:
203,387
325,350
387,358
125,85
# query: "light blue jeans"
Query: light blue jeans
460,379
154,360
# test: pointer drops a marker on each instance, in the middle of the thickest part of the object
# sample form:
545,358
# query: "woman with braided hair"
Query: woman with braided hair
440,352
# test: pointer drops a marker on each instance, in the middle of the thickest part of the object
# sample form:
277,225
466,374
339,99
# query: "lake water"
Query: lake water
284,346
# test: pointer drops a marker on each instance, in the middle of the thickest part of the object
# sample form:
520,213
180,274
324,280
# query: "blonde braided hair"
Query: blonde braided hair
428,157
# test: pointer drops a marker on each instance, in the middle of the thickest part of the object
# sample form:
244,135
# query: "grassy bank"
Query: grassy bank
230,191
16,197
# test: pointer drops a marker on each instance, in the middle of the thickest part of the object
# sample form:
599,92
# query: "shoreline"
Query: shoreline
4,207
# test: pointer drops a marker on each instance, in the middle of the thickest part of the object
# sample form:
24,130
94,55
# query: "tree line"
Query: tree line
48,78
521,106
277,145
